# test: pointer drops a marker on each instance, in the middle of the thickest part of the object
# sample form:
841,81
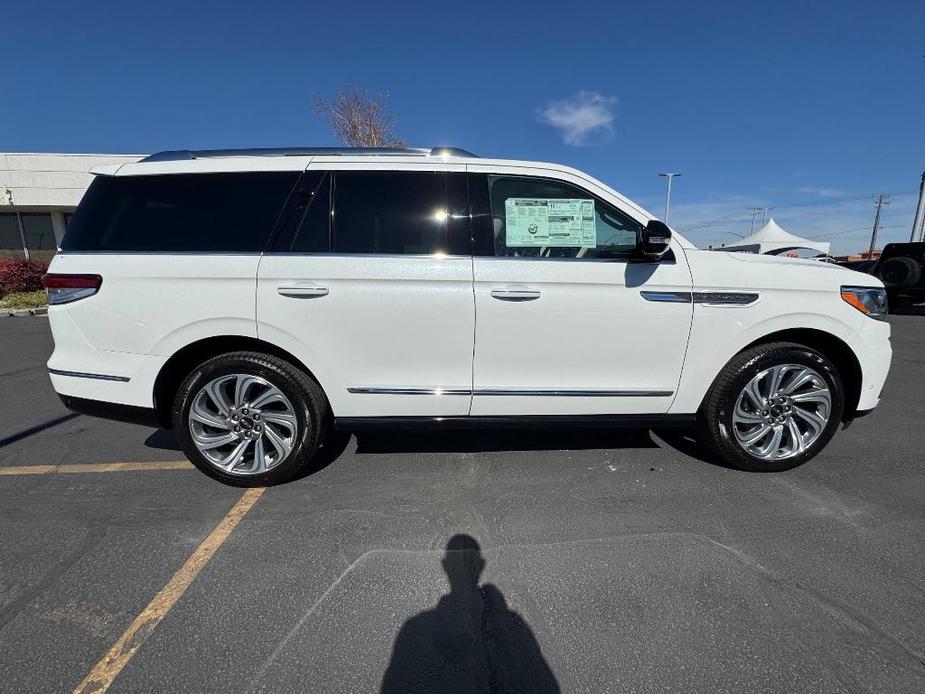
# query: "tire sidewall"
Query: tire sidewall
785,355
223,366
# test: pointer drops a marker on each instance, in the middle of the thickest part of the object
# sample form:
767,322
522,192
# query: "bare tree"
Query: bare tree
358,120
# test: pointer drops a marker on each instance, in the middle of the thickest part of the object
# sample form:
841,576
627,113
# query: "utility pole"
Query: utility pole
669,175
882,199
918,223
764,216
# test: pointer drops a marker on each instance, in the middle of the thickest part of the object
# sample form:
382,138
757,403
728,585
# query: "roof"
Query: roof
771,238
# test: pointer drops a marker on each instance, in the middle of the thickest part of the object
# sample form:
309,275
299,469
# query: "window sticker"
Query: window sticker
539,222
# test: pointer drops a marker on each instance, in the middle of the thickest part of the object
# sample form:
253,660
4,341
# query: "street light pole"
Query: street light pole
669,175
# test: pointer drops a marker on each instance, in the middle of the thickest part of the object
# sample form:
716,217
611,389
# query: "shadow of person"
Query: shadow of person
469,641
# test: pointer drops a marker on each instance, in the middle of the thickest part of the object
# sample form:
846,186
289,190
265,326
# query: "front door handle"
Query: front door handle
516,294
302,291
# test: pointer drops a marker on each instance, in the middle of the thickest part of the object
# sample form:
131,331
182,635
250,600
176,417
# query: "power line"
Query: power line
853,231
741,217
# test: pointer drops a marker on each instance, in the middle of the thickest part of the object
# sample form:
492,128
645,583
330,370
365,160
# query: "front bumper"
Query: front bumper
874,353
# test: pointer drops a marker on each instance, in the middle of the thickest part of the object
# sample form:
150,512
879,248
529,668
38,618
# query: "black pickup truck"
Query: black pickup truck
901,268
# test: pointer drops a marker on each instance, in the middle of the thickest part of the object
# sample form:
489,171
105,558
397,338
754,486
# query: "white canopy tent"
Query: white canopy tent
773,240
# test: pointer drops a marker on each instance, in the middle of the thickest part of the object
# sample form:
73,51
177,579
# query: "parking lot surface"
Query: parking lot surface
581,561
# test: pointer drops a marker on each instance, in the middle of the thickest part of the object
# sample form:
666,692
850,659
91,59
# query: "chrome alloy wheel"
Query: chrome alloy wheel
242,424
781,412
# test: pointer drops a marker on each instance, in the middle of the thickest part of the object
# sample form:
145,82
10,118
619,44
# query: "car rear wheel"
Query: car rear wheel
249,419
772,408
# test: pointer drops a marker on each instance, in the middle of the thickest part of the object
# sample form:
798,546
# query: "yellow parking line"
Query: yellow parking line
93,467
106,670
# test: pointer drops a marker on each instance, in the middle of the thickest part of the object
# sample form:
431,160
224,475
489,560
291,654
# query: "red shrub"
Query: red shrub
17,275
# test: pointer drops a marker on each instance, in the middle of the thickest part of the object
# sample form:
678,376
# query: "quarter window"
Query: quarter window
223,212
545,218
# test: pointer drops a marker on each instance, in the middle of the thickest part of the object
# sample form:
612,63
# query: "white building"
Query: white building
38,194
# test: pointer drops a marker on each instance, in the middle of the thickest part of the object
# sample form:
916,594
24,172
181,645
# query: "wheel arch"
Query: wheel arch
829,345
185,359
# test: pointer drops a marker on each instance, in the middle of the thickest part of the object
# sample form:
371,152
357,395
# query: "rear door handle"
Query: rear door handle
302,291
516,294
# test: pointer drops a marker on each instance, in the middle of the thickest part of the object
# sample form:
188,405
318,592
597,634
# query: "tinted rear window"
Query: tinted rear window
390,212
226,212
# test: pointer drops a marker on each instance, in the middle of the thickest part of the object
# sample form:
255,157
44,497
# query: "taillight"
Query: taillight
63,289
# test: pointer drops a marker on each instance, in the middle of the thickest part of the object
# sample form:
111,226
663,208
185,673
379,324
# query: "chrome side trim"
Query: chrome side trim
671,297
372,390
573,393
241,254
529,392
725,298
403,256
717,298
84,374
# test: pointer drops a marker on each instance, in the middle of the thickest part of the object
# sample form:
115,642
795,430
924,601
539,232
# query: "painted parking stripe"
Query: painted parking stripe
111,664
93,467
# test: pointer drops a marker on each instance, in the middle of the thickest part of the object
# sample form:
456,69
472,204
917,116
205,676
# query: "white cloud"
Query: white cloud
822,192
581,116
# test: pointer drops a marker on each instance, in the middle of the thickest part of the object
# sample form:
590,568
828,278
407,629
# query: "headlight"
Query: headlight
868,300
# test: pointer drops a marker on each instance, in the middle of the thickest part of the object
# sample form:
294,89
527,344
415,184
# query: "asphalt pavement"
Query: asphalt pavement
582,561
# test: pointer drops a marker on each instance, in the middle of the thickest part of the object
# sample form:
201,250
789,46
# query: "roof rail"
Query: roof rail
181,154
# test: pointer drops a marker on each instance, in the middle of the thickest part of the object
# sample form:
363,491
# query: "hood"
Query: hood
741,270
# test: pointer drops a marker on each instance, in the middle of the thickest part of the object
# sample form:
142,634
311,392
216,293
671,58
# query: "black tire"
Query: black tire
715,416
899,272
306,396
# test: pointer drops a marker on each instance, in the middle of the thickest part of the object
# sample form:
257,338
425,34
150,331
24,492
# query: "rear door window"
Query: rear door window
390,212
221,212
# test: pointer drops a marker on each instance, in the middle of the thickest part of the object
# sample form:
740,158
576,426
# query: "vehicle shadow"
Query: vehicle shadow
487,441
490,440
498,440
164,440
333,446
470,641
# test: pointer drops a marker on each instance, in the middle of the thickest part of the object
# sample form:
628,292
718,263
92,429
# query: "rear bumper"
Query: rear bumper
79,370
110,410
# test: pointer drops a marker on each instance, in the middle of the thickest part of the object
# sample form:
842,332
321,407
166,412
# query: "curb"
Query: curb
14,312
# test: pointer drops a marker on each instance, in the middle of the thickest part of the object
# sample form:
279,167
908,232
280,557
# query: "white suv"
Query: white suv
250,299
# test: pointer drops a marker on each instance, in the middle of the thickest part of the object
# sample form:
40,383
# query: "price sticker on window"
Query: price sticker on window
545,222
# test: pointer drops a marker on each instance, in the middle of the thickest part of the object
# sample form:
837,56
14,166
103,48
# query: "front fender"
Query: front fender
718,333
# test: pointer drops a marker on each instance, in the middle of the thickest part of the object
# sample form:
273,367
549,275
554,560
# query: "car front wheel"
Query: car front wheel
773,407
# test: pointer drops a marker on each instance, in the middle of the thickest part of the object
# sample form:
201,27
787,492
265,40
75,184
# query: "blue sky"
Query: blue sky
807,107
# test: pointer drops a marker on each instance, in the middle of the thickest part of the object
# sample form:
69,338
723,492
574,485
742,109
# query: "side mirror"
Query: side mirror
654,239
